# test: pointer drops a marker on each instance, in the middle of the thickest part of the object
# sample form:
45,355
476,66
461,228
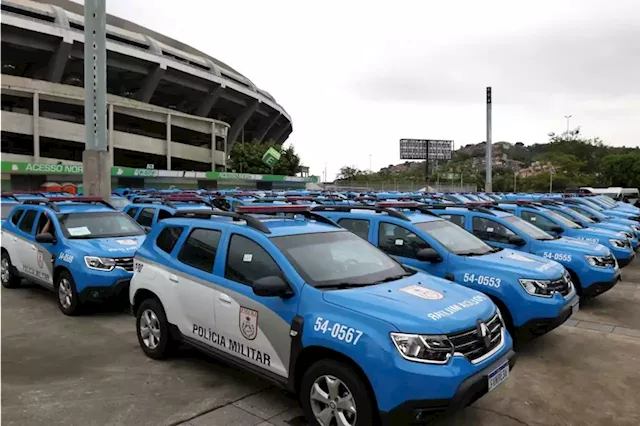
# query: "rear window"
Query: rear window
16,217
29,218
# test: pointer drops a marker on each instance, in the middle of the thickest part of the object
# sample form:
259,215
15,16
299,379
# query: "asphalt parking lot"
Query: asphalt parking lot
89,371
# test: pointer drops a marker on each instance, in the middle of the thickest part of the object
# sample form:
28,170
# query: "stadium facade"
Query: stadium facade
170,106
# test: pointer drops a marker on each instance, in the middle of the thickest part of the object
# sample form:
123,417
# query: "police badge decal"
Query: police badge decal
40,259
248,323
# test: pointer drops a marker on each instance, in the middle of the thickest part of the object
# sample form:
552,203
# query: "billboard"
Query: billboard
416,149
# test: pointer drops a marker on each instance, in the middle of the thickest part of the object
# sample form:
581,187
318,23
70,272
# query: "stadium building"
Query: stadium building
171,108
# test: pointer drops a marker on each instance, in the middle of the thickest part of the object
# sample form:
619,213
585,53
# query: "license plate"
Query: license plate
498,376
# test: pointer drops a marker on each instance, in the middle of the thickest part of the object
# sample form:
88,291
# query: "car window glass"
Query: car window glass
168,237
26,224
44,225
399,241
490,230
360,227
132,211
16,216
164,214
199,249
247,261
146,216
454,218
538,220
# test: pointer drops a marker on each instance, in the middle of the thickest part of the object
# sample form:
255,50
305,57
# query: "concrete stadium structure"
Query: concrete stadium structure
168,104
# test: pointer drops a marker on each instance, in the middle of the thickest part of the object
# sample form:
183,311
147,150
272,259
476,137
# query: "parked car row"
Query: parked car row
351,301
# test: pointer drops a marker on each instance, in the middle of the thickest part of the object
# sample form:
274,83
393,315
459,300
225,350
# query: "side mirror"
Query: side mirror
272,286
46,238
517,240
428,255
557,229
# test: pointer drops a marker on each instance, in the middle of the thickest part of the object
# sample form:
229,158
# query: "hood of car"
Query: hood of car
420,303
109,247
576,246
596,235
523,265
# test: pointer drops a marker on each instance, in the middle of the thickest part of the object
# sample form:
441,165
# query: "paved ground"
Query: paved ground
89,370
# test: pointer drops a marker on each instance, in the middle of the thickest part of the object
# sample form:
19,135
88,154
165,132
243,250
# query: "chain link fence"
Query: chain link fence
397,185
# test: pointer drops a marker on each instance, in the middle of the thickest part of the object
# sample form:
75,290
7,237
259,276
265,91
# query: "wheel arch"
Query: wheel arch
140,296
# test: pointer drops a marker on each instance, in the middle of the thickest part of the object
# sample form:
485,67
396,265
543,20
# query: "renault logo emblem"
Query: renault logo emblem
483,333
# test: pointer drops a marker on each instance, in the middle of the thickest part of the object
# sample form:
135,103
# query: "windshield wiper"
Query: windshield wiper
395,277
474,253
342,286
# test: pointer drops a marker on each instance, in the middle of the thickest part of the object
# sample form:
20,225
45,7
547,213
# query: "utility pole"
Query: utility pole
551,180
515,177
96,161
369,163
567,117
488,186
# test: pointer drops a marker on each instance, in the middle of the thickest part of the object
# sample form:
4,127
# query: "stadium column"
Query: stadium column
168,141
241,120
96,176
111,130
36,127
266,125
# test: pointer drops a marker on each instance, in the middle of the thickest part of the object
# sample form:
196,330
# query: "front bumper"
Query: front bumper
100,293
625,262
423,412
598,288
536,327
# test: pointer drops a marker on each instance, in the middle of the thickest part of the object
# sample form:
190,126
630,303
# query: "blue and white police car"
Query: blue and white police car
80,247
289,295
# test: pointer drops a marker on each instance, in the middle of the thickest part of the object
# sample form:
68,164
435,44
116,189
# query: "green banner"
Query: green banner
64,169
271,157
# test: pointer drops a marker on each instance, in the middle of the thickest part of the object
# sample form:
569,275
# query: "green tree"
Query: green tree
622,170
247,158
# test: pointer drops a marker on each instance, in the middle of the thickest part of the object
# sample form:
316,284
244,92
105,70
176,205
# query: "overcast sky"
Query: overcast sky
356,76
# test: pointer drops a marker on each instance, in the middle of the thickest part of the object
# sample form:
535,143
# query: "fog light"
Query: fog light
95,294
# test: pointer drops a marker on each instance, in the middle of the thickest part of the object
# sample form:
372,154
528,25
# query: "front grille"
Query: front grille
560,286
125,263
470,342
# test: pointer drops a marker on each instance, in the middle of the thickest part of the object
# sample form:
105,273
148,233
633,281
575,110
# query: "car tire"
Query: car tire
152,329
9,278
329,389
67,295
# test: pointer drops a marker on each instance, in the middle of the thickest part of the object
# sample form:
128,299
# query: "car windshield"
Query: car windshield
574,215
120,203
335,259
591,204
454,238
593,214
608,199
98,225
528,229
563,220
6,209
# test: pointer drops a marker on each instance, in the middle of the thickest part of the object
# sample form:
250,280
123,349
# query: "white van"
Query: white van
616,192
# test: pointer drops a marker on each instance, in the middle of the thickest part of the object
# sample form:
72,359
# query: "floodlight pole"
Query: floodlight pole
488,186
96,176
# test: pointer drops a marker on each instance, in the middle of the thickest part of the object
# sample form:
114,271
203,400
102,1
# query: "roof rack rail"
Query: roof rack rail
206,214
486,208
50,202
295,209
347,209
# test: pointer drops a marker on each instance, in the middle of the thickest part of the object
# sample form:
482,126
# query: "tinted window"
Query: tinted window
27,221
199,250
168,237
132,212
146,216
16,216
399,241
360,227
247,261
489,230
454,218
164,214
538,220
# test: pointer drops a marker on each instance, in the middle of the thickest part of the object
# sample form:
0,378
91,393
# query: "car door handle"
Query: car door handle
15,239
33,248
173,277
224,298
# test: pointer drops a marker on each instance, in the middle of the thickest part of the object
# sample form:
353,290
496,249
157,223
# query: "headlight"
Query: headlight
99,263
426,349
636,228
625,234
619,243
598,261
536,287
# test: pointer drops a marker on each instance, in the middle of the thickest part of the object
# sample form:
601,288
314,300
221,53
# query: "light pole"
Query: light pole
567,117
370,163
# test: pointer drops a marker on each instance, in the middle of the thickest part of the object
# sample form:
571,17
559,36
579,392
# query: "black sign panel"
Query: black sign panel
416,149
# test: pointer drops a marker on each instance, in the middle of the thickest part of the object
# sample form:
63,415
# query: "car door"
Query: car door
45,252
10,240
256,328
492,232
25,248
194,286
399,241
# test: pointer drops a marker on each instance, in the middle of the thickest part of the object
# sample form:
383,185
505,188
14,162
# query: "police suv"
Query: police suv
291,296
534,294
80,247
